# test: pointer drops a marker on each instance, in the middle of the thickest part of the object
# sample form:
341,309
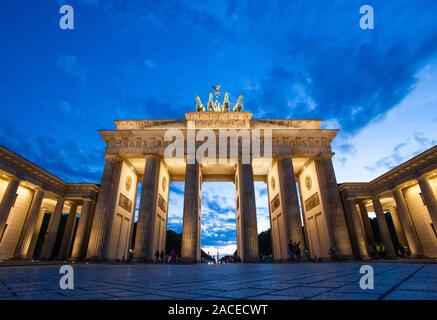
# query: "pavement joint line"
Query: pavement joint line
346,284
400,283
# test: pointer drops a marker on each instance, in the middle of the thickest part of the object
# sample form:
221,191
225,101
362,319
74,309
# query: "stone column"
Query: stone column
104,212
358,230
7,202
383,228
22,251
67,237
147,214
191,218
333,207
79,246
52,231
429,198
398,226
407,223
290,198
249,232
366,224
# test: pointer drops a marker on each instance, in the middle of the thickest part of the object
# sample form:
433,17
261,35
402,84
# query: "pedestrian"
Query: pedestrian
297,251
172,256
157,256
162,256
290,252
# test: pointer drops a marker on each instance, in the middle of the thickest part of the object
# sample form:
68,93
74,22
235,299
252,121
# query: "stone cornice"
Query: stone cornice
215,120
24,169
410,169
298,137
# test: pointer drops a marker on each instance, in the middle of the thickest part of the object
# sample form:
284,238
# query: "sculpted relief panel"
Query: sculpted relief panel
157,145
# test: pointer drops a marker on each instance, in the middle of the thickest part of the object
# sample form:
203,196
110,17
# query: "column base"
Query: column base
45,259
95,259
418,256
250,260
21,258
346,258
190,260
74,259
143,260
365,258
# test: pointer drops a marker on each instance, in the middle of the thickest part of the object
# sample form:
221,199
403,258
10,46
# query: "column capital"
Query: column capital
11,177
397,187
324,155
424,177
375,197
363,201
283,157
152,157
72,205
112,156
38,189
87,200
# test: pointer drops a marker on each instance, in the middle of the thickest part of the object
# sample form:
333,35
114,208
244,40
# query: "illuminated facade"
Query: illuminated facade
408,193
33,204
306,204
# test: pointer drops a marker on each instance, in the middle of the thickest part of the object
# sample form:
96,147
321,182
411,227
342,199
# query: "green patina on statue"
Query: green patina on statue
214,106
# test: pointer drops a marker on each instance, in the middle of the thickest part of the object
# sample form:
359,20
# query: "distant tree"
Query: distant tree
206,257
174,241
391,228
265,243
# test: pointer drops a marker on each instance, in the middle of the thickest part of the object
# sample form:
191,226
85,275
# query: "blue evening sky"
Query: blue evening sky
148,59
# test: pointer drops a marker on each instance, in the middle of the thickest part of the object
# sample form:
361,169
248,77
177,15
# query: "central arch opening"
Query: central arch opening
219,234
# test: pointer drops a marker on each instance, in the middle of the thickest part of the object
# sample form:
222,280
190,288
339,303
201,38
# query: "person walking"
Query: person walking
162,256
297,251
290,252
157,256
172,256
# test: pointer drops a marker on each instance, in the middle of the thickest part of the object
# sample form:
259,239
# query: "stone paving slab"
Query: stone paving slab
332,281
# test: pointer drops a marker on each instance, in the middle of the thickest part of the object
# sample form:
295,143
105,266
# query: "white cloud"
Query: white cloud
262,207
405,131
218,213
223,250
71,66
150,64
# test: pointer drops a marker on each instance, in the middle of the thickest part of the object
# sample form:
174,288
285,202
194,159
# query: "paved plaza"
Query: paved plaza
216,282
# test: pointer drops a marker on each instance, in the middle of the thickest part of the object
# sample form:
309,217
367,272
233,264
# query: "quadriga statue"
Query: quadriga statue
239,105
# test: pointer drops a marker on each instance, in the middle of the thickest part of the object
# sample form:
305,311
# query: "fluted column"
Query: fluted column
398,226
383,228
7,202
429,197
358,230
191,217
366,224
22,251
52,231
406,221
332,205
291,211
249,232
104,212
79,246
147,214
67,237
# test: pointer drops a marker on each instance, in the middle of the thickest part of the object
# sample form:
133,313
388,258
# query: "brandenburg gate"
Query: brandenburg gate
297,169
43,217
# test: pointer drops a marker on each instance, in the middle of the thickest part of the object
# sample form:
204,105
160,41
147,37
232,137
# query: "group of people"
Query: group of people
294,252
160,257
